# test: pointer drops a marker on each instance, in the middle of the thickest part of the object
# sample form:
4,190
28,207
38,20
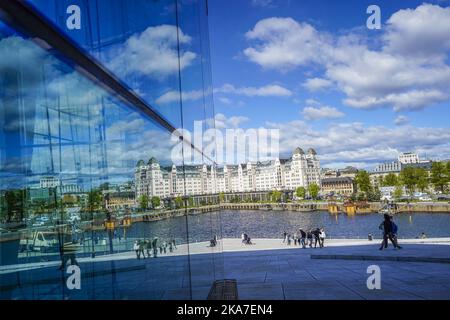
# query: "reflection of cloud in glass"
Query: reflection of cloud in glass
152,53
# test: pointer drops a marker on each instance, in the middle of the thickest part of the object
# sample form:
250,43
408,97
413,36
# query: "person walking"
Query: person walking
141,244
68,252
302,238
289,239
296,239
155,247
136,249
284,236
322,237
316,234
148,246
387,226
395,233
309,237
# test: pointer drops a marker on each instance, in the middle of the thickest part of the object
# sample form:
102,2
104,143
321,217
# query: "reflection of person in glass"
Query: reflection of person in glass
68,252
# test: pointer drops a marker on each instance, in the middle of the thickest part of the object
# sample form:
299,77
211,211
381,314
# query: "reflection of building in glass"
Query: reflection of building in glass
301,170
118,200
77,107
49,182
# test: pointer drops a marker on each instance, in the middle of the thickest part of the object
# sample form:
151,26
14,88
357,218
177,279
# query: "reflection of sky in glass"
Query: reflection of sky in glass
75,130
55,122
138,41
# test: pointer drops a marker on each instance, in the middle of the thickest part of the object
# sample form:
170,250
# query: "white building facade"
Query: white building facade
301,170
408,158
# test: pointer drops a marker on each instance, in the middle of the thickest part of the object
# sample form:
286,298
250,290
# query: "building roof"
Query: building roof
312,151
140,163
299,151
337,180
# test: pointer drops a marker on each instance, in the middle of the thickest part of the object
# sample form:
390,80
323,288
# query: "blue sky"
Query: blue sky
359,96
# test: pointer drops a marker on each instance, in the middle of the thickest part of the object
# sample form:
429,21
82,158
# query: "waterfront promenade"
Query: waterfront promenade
266,270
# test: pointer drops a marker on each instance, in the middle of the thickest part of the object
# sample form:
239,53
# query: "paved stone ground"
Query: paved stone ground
267,270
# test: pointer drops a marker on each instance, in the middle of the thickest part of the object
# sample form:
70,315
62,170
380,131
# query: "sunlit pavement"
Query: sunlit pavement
269,269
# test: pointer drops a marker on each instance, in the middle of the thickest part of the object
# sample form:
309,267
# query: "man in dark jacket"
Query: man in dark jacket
316,234
388,232
302,238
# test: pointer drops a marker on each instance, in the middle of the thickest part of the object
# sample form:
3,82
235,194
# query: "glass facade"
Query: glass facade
72,131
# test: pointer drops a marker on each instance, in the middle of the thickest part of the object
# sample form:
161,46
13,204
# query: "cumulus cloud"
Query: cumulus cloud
283,43
265,91
174,96
401,120
312,113
423,31
223,122
152,53
408,71
316,84
356,142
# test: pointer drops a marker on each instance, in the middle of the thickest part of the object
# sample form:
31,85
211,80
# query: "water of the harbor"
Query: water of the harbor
272,224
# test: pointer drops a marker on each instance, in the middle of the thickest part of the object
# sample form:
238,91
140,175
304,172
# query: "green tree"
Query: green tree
398,192
95,200
178,202
391,180
374,195
380,181
191,202
143,202
408,178
363,181
13,202
275,196
313,190
422,179
221,197
439,176
301,192
156,202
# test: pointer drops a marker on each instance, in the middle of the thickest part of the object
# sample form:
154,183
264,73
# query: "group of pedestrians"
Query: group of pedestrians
152,248
306,238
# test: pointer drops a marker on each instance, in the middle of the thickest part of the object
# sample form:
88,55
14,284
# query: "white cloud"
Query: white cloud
152,53
401,120
225,100
409,70
223,122
174,96
316,84
262,3
424,31
311,113
265,91
357,142
283,43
